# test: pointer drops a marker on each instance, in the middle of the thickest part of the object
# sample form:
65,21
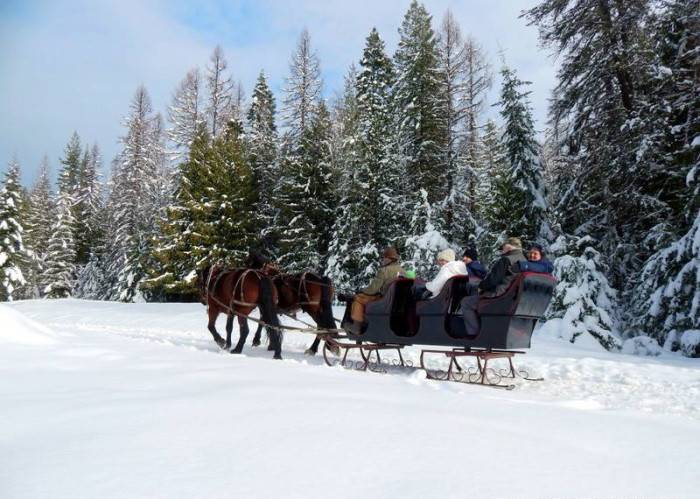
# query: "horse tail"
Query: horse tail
327,304
268,310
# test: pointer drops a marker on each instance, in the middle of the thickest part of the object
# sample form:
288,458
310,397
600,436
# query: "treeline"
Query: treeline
402,156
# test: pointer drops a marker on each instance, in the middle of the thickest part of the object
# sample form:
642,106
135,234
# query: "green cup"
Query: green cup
410,274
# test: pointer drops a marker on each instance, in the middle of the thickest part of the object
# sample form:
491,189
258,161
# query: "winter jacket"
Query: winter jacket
385,275
502,273
450,269
476,269
543,266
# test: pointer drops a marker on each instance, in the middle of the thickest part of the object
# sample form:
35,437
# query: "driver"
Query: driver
389,270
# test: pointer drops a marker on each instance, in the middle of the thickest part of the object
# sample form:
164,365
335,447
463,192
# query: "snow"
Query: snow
135,400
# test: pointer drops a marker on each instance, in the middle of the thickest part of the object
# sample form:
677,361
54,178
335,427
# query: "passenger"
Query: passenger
390,269
449,267
536,261
471,259
495,283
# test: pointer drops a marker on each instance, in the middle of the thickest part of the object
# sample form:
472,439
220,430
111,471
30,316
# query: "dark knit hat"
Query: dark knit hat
470,253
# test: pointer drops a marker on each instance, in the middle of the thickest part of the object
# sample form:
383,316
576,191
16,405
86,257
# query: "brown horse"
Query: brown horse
239,292
308,292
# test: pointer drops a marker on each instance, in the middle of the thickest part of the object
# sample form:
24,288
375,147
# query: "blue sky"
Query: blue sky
74,64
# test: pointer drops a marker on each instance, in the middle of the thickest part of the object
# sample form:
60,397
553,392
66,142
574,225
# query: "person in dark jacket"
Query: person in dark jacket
496,282
474,267
537,261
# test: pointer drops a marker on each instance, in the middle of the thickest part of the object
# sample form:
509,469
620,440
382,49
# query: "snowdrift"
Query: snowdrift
16,328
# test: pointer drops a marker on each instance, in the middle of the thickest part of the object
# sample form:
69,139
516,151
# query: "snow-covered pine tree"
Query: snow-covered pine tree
584,304
425,240
40,220
302,91
346,260
666,303
186,112
604,51
13,255
133,200
219,92
491,169
521,202
231,224
381,196
60,260
306,198
419,105
69,176
262,156
88,202
303,165
181,245
465,78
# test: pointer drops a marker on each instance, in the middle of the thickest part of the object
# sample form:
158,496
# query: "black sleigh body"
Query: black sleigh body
507,321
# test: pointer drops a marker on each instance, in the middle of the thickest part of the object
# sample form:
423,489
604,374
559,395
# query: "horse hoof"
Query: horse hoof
277,356
256,343
237,350
221,343
270,348
310,352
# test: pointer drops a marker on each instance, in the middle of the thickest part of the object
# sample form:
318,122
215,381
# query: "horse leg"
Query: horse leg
313,349
213,314
243,324
229,329
258,333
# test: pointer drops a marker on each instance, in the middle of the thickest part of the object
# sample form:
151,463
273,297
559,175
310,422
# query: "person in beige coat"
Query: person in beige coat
389,270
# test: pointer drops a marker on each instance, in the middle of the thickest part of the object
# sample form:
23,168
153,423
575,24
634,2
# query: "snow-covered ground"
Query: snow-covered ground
135,400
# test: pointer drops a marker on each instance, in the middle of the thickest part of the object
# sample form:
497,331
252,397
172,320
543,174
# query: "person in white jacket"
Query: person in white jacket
449,267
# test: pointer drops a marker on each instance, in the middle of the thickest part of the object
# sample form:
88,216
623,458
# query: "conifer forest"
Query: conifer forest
402,155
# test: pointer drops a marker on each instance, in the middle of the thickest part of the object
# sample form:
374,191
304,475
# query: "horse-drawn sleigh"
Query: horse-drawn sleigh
392,323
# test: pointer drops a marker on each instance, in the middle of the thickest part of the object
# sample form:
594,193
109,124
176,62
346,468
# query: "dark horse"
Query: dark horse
308,292
239,292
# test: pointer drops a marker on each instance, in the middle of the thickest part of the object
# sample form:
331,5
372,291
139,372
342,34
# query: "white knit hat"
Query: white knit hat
447,254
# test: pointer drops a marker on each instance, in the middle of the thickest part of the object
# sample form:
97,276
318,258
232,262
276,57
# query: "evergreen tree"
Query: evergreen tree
186,112
521,193
491,170
69,176
666,305
583,298
40,220
462,86
352,250
219,87
13,256
181,245
304,194
60,260
88,202
303,90
603,47
262,155
134,200
419,105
